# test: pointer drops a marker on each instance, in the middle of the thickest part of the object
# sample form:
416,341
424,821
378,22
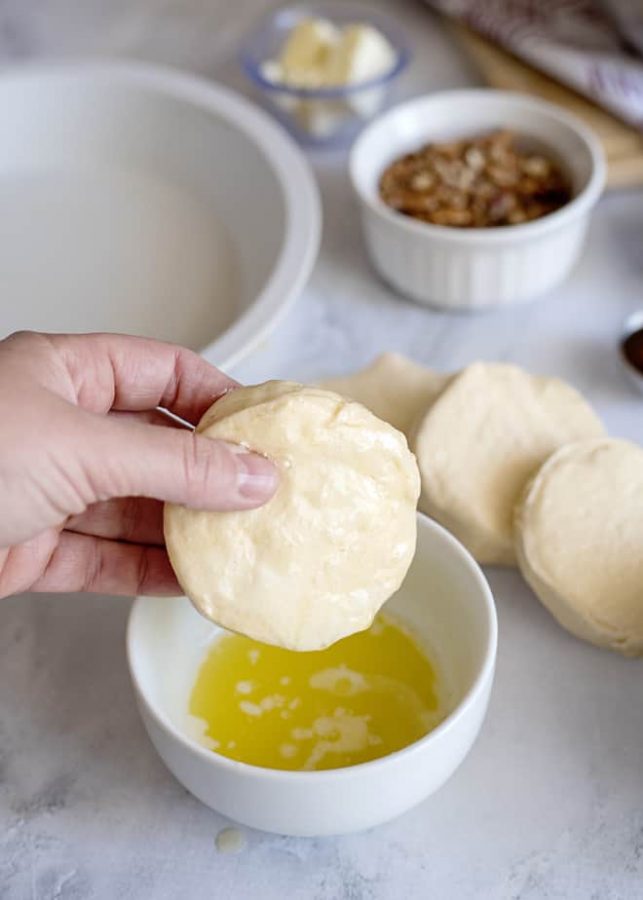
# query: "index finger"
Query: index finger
121,372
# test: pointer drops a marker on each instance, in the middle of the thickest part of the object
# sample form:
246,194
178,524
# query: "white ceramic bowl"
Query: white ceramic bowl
474,268
444,599
144,200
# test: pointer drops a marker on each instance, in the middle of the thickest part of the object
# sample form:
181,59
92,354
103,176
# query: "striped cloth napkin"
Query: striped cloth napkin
594,47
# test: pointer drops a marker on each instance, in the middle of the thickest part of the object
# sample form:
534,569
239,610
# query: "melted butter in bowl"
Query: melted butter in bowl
425,690
362,698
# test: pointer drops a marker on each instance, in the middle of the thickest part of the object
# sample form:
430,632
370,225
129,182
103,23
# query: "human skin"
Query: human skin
86,462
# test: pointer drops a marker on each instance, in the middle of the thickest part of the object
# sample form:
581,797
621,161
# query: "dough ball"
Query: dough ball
579,541
484,436
393,387
321,557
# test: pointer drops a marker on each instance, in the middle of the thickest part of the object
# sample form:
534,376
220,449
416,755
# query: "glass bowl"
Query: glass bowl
321,115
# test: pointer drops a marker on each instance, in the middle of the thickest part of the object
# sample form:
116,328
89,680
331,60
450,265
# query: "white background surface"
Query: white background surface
550,802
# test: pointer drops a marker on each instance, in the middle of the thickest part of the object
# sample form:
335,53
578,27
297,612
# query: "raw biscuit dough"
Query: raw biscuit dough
484,436
579,540
393,387
321,557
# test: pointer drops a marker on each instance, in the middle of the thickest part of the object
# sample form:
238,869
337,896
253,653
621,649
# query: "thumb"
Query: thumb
176,465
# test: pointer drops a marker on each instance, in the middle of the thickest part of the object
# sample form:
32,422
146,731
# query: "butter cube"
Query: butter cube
305,54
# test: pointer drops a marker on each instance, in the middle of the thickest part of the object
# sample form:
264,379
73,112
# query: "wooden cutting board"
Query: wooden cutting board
623,144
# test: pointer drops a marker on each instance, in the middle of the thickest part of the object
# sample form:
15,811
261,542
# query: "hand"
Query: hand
85,460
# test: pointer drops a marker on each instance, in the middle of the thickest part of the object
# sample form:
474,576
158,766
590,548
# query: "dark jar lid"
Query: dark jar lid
631,348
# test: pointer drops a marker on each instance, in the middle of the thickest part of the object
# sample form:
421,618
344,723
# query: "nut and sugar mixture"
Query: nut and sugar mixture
478,182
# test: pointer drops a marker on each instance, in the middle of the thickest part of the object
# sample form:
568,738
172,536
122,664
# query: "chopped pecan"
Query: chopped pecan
479,182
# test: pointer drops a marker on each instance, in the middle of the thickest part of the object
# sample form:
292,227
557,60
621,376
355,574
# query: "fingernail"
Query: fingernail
257,477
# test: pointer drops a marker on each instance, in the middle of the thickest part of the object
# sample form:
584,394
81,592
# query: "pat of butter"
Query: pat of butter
318,54
362,53
304,57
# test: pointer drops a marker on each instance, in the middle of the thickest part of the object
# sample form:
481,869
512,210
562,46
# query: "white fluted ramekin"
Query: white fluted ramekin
476,268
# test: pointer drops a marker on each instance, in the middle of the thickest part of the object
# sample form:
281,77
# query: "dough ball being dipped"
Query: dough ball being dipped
485,435
393,387
316,562
579,540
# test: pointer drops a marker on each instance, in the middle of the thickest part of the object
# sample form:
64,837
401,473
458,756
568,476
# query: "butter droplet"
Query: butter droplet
230,840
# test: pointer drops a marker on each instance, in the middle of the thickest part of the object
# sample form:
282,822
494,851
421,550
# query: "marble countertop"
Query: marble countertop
548,805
